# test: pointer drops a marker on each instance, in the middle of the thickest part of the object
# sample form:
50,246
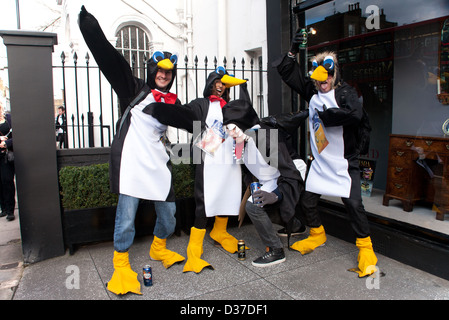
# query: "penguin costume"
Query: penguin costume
218,182
281,182
140,166
334,116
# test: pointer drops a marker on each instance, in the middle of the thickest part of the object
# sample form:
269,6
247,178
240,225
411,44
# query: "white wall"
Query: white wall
212,28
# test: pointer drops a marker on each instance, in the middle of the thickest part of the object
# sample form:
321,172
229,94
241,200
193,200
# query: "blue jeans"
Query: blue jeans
124,230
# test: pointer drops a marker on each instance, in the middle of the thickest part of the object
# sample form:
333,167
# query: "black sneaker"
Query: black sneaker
271,257
283,232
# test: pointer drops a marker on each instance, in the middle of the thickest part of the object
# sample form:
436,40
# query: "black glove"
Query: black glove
321,113
287,121
82,15
298,38
270,121
263,198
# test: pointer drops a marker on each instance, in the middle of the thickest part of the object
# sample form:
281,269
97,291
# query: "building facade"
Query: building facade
204,34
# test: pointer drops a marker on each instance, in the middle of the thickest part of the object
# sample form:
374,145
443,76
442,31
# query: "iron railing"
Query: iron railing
92,106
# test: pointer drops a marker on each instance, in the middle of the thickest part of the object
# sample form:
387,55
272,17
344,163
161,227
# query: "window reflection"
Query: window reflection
396,70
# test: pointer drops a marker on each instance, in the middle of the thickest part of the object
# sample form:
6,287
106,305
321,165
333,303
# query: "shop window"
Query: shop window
351,30
400,72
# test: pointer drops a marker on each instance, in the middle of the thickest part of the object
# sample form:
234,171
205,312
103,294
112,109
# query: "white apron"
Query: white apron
328,173
222,175
256,164
143,169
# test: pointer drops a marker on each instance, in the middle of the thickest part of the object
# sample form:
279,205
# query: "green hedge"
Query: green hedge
88,186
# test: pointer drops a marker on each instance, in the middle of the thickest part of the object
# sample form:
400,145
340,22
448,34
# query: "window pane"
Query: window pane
134,44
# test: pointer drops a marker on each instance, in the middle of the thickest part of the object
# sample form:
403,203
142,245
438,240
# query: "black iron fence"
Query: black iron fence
92,106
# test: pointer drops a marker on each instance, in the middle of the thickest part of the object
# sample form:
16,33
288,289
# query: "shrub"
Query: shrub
88,186
183,180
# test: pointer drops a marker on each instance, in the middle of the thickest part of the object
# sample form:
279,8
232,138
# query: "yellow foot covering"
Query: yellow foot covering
124,279
195,250
220,235
317,237
159,252
367,259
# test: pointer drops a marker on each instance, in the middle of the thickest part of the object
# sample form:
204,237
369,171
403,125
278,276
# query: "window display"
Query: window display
397,57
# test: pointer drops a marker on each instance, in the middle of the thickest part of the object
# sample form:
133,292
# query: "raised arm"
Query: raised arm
111,63
290,72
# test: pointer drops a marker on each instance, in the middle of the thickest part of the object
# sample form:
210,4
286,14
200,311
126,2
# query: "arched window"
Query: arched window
134,43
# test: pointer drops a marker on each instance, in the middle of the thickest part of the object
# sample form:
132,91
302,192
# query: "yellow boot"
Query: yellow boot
195,250
317,237
220,235
367,259
124,279
159,252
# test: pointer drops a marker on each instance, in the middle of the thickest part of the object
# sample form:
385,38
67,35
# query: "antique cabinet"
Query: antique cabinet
418,169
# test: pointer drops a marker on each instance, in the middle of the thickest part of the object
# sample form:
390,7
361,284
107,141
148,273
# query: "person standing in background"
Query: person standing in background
61,128
7,170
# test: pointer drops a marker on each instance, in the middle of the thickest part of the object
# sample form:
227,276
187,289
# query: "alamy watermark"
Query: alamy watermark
183,153
373,281
73,280
373,20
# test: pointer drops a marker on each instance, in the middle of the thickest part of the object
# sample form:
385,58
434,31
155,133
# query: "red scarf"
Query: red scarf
169,97
215,98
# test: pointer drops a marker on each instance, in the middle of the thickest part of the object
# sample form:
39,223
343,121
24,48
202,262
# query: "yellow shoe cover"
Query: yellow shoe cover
220,235
317,237
195,250
159,252
124,279
366,258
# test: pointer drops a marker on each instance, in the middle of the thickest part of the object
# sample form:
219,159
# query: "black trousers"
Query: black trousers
7,186
353,204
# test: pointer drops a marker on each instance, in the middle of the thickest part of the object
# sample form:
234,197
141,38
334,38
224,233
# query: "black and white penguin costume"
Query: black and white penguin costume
328,174
334,170
282,176
218,183
267,160
139,163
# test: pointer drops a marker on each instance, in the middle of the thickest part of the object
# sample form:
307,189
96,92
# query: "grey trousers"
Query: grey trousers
262,222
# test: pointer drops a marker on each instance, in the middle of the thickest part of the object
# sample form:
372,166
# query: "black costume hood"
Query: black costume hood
161,60
220,74
241,112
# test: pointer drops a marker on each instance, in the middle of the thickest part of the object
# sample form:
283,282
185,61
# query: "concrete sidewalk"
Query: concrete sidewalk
319,275
11,259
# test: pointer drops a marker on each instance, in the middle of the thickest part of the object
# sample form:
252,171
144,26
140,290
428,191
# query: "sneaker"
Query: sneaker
283,232
271,257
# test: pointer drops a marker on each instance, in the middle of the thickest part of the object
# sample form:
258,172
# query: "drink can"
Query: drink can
303,45
241,250
254,187
147,276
